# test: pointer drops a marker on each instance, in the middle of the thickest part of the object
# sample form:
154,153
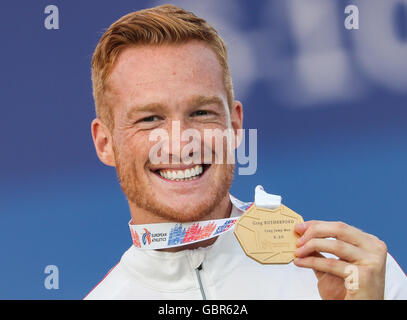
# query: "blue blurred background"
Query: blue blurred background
329,105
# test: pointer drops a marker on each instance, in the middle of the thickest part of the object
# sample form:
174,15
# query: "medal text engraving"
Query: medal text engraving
268,236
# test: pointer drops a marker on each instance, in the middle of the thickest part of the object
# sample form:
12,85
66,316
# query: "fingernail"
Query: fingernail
299,241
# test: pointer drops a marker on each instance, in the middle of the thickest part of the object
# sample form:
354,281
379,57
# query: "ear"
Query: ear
236,117
103,142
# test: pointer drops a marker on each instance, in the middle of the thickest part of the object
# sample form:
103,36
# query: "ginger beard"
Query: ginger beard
139,189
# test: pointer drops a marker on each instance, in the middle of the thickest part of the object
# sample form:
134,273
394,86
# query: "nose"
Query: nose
184,143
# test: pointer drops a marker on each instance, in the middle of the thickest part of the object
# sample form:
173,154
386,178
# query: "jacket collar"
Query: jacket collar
174,271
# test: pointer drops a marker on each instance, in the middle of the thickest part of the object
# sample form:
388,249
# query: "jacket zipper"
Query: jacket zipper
198,275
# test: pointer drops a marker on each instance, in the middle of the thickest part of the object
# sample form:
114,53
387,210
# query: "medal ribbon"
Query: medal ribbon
168,235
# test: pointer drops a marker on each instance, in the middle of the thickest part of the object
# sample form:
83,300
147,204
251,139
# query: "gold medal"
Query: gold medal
267,235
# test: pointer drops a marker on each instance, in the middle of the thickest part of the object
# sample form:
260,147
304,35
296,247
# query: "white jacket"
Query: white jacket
221,271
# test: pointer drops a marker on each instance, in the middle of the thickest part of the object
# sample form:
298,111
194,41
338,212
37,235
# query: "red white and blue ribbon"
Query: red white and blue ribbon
168,235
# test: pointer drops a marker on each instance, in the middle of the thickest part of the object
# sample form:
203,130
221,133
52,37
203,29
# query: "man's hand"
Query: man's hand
353,247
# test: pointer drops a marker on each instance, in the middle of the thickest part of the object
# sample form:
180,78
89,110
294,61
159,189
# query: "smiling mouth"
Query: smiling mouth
191,173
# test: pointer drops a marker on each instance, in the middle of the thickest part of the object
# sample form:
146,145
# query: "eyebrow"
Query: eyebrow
195,101
199,101
150,107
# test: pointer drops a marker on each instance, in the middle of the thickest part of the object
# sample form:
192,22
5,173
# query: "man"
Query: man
163,66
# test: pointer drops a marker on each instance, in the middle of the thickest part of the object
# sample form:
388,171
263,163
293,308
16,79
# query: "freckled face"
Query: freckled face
153,86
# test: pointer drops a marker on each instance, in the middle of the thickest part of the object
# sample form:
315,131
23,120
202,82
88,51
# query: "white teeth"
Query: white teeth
182,175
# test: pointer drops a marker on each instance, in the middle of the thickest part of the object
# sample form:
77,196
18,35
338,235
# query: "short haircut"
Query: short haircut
166,24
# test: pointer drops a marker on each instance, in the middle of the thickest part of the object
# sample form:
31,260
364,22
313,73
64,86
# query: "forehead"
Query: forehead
166,73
